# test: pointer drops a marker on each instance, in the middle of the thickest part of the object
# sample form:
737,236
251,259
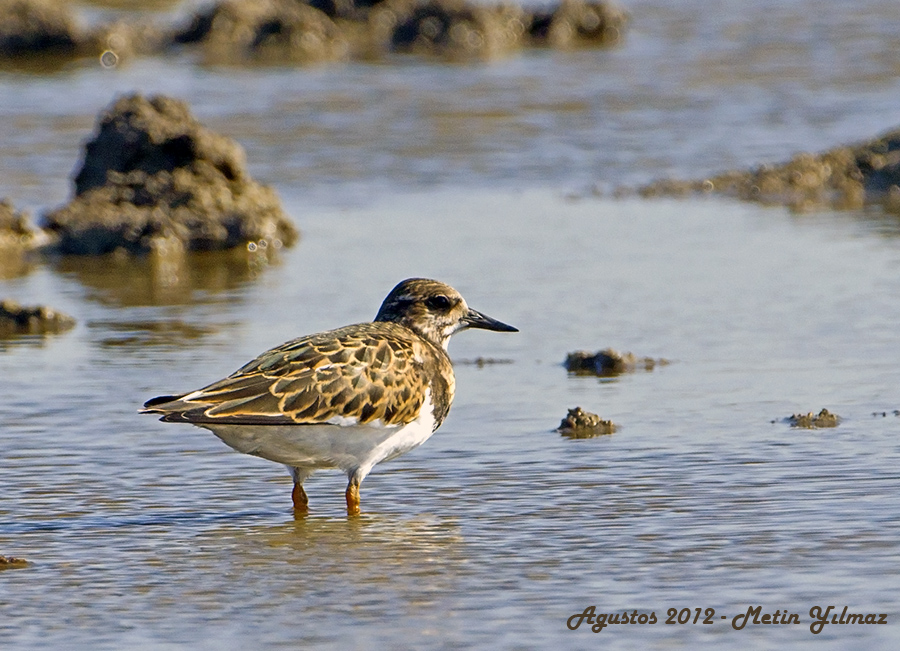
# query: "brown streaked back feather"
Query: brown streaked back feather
367,372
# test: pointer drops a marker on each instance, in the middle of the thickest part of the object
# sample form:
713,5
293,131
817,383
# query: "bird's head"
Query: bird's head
434,311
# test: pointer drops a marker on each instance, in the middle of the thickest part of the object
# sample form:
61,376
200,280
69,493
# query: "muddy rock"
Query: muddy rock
33,27
154,178
239,31
11,563
47,32
814,421
842,178
36,320
18,239
608,362
16,230
579,23
456,29
582,424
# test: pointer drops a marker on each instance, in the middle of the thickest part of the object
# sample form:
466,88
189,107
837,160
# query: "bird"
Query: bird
347,398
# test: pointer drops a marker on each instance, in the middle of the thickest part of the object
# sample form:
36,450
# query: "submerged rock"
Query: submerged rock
582,424
843,178
36,320
236,31
154,178
609,362
814,421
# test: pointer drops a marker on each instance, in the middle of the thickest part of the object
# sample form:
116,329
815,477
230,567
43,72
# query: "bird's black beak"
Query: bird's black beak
475,319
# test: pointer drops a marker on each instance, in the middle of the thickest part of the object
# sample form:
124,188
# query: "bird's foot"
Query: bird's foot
300,499
353,499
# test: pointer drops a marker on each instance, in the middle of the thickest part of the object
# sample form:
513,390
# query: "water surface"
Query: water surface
143,533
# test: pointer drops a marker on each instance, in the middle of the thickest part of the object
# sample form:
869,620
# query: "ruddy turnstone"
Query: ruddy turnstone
346,398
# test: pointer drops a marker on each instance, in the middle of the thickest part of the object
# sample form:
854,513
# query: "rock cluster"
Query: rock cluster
313,31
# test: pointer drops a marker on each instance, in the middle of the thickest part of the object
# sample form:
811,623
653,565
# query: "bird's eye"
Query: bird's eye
439,302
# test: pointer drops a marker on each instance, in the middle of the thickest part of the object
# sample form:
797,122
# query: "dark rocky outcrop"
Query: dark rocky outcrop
153,175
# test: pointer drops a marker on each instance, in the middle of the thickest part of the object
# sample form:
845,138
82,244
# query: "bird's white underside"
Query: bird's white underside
341,443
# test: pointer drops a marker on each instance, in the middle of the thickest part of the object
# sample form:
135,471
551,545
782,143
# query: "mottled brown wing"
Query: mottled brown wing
362,373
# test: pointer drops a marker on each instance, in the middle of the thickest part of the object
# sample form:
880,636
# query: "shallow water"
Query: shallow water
496,531
147,533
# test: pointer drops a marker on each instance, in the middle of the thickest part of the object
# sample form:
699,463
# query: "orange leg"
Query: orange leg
301,501
352,498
